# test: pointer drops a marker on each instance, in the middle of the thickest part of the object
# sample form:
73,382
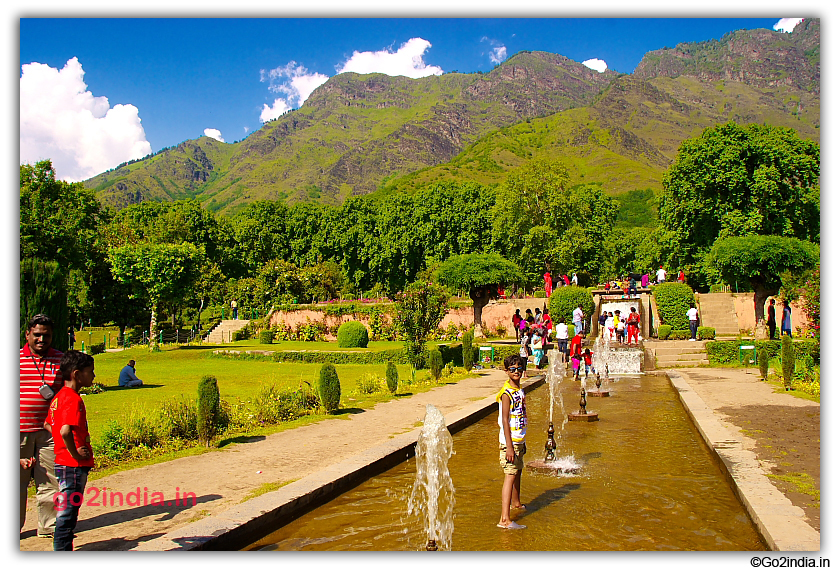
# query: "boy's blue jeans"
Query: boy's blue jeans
70,496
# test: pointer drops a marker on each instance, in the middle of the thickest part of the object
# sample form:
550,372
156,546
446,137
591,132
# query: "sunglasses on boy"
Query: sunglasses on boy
515,369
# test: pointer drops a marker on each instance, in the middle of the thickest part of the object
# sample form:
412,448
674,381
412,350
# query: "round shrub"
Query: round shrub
664,331
266,337
435,363
391,377
329,388
207,409
673,301
564,301
352,334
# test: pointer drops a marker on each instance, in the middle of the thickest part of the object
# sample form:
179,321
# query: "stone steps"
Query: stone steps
717,310
223,332
678,353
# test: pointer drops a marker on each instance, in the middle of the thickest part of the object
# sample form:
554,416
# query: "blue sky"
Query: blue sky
136,85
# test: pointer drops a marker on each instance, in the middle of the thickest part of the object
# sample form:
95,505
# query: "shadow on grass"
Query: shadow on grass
121,388
241,439
340,411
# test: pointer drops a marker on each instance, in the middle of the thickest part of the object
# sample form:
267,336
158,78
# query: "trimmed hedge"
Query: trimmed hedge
564,301
435,361
706,333
726,351
392,378
468,356
266,337
329,387
664,331
352,334
207,409
673,301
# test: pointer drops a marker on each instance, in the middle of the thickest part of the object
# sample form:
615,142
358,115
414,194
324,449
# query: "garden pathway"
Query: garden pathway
221,479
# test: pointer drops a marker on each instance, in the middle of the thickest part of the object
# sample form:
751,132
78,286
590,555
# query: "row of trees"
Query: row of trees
725,194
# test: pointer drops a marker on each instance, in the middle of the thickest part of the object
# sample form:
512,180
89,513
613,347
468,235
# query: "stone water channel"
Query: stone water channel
647,483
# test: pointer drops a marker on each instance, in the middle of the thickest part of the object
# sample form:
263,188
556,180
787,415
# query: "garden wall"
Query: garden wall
745,309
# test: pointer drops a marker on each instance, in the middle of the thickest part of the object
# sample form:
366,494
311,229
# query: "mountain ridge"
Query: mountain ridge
361,134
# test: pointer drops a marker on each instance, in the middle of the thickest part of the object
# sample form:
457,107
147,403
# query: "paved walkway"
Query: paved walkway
221,479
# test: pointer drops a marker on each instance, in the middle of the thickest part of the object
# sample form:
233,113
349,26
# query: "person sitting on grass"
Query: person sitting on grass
512,425
128,378
67,419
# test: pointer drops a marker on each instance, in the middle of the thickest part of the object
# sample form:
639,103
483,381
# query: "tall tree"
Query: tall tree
738,180
761,260
481,274
165,273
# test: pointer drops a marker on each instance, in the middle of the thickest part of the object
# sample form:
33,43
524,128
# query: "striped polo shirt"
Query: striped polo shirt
33,407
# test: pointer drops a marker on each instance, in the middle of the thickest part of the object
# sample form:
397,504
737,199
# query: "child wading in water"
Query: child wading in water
512,422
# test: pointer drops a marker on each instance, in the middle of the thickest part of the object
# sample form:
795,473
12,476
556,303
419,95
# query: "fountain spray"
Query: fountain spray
433,494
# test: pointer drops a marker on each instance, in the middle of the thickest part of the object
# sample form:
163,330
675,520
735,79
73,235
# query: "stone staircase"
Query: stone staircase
223,332
717,310
677,353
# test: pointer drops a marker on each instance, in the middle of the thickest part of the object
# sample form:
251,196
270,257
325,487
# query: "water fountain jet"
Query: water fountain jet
433,494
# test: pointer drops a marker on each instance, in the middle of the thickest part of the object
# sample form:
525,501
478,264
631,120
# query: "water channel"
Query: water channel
647,482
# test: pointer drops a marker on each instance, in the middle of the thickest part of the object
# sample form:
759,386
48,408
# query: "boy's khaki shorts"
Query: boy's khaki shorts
518,464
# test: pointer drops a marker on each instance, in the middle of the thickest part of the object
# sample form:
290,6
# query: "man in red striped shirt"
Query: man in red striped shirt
38,370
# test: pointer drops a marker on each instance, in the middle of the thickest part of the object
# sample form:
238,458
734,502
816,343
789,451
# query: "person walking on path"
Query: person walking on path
234,310
128,376
574,279
786,328
563,339
771,318
517,318
661,274
681,277
693,321
577,318
547,280
40,380
633,322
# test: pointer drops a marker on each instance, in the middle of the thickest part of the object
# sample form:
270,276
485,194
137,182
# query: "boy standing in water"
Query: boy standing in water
512,422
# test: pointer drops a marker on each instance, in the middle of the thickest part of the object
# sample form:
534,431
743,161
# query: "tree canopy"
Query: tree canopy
761,260
736,180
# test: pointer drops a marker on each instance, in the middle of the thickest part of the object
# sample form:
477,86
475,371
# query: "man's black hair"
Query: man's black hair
40,319
512,359
74,360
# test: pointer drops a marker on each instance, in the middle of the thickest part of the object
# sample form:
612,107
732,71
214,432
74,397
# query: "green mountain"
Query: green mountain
358,134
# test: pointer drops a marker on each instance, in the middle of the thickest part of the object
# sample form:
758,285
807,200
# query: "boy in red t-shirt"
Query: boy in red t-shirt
67,419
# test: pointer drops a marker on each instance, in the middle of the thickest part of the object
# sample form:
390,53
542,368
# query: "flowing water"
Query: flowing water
646,482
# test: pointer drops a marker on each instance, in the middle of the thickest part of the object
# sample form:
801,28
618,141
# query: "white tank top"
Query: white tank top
518,416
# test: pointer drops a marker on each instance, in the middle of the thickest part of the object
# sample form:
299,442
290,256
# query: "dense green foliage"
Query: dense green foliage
417,312
564,301
738,180
266,337
207,410
329,387
391,377
673,300
762,260
726,351
43,290
811,296
664,332
788,360
352,334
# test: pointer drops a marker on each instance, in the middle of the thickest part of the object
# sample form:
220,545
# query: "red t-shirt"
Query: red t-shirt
575,345
587,359
67,408
33,407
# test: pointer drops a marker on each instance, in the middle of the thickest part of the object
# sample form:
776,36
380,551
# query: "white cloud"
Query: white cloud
498,52
787,24
62,121
278,108
294,82
407,61
598,65
214,134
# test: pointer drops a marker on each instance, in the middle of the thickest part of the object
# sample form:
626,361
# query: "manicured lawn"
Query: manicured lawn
175,372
